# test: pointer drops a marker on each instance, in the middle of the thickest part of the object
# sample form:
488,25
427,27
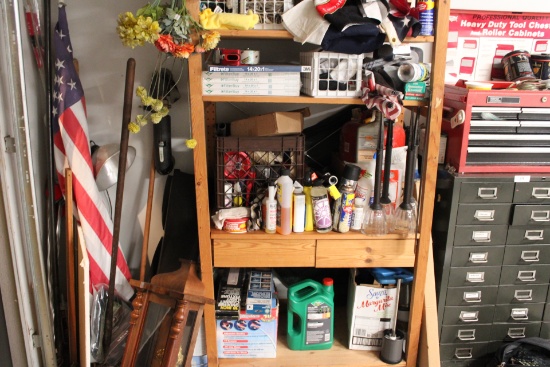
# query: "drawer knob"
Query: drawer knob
478,257
475,276
469,334
472,297
463,353
523,294
534,234
487,193
520,314
527,275
469,316
541,192
481,236
540,215
485,215
516,332
530,256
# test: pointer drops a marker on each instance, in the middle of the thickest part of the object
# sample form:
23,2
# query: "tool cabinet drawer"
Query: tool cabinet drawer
519,313
480,235
525,274
527,235
477,256
532,192
482,192
481,275
520,294
466,315
545,330
526,254
525,215
471,296
465,333
462,352
513,331
483,214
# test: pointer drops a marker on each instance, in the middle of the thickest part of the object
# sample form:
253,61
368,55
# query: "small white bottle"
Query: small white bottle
285,188
271,211
299,214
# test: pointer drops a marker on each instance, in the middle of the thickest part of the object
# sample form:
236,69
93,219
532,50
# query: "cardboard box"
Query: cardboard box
370,312
270,124
228,301
252,336
260,292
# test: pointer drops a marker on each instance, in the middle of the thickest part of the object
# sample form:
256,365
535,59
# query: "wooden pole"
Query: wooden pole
147,225
124,136
71,268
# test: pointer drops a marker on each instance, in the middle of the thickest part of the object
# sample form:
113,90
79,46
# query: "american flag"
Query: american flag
72,149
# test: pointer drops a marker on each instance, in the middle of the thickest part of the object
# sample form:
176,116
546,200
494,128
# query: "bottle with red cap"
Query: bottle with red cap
311,315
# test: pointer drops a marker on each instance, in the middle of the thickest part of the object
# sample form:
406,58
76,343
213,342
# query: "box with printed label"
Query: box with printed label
370,311
260,292
415,91
251,336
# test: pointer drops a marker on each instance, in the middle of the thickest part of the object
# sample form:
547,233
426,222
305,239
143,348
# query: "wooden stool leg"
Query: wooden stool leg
137,321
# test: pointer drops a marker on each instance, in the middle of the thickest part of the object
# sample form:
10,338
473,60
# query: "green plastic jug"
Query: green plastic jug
311,315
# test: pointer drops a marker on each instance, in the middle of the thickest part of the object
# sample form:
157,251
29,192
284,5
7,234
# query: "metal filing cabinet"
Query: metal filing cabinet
491,235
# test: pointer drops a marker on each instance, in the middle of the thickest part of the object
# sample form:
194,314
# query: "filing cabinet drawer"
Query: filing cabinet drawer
546,314
519,313
481,275
525,215
532,192
545,330
475,363
483,214
525,255
512,331
528,235
471,296
464,352
525,274
477,256
480,235
466,315
519,294
482,192
465,333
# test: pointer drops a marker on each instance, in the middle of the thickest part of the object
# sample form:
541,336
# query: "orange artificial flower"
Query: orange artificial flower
165,43
184,50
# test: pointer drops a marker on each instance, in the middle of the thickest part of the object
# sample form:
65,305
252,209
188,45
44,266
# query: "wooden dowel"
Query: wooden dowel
147,225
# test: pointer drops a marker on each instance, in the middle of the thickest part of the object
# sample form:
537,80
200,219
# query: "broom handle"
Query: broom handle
124,136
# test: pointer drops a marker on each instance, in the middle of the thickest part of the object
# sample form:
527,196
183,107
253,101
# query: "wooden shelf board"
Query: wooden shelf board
299,100
337,356
261,235
284,34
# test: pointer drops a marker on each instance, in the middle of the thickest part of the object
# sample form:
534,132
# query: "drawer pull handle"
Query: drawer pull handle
523,294
540,215
475,276
541,192
478,257
527,275
487,193
530,256
534,234
463,353
485,215
467,334
516,332
472,297
520,314
469,316
481,236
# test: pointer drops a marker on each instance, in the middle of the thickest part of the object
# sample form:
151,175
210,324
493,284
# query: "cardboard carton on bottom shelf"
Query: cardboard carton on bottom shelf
370,311
251,336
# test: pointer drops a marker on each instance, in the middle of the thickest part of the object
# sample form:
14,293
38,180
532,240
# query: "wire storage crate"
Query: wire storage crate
253,162
269,11
332,74
220,6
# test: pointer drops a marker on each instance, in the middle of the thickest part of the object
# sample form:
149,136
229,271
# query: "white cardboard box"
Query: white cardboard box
370,311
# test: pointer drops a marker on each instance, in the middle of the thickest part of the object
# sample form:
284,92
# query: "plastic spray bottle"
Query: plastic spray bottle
270,223
285,189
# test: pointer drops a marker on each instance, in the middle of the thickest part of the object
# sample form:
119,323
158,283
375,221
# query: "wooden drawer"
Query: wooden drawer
477,256
483,214
478,276
525,274
465,333
525,215
247,252
471,296
532,192
519,313
526,254
527,235
480,235
482,192
335,253
519,294
466,315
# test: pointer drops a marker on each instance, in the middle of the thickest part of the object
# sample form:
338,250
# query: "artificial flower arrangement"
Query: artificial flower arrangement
175,34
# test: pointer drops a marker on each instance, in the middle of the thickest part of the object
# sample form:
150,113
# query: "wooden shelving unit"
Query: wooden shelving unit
313,249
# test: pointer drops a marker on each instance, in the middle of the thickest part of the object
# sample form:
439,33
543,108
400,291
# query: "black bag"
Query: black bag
531,351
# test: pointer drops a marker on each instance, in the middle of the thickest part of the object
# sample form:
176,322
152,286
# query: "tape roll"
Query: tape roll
250,57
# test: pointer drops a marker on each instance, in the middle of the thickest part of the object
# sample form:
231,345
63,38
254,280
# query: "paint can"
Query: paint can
413,72
517,66
541,66
250,57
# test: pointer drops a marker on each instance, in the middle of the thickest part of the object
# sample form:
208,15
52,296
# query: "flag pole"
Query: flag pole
124,136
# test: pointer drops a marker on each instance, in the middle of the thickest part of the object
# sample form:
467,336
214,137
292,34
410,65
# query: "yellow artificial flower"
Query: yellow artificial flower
141,92
191,143
157,105
210,40
147,101
141,120
133,127
156,117
164,111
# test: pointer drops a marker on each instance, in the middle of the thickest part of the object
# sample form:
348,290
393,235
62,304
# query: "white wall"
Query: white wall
502,5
